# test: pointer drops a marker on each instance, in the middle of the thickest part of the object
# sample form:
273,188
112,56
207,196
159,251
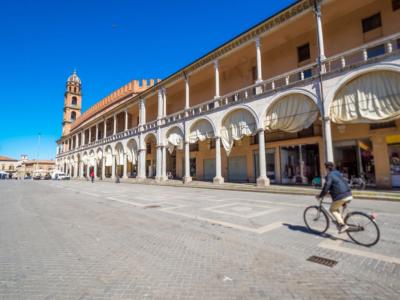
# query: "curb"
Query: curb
365,195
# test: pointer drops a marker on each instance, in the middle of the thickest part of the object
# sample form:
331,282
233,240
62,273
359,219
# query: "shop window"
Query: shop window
395,4
194,147
303,53
371,23
382,125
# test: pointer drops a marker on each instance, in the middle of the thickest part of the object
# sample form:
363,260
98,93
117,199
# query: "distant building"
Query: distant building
8,165
34,167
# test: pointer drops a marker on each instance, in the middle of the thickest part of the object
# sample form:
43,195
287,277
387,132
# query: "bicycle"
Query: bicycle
363,229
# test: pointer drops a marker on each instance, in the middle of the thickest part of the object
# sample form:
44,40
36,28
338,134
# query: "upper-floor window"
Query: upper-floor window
395,4
303,52
74,101
371,22
73,116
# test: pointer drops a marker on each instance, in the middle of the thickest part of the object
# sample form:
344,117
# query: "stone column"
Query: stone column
187,93
141,159
103,168
95,168
159,163
187,178
259,61
328,140
320,35
97,132
160,105
83,137
126,119
81,169
216,71
115,124
105,128
218,179
113,167
142,112
90,135
164,163
262,180
125,174
164,93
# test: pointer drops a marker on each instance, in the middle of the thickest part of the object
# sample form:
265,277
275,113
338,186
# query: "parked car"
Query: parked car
63,176
47,176
28,177
37,177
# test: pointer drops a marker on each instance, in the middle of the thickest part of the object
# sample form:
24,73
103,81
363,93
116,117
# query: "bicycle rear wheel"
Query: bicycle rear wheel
316,219
363,229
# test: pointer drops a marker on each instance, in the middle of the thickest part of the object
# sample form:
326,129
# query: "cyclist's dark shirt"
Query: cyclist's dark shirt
336,185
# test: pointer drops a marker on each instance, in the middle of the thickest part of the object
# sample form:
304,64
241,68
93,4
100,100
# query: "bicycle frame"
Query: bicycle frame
328,213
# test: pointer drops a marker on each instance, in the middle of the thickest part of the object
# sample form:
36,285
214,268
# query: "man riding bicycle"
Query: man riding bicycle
340,192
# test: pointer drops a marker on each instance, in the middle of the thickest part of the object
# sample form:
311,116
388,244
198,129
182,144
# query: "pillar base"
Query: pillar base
187,179
218,180
263,181
158,178
140,178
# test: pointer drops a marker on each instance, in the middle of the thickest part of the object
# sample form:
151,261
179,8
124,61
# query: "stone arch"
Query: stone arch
200,130
174,137
108,155
99,154
119,153
92,158
132,157
331,93
291,112
367,96
236,124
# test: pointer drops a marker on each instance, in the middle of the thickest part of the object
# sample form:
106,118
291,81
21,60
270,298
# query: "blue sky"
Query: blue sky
109,43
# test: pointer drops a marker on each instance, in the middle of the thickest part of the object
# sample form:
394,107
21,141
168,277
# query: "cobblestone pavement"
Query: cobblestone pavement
77,240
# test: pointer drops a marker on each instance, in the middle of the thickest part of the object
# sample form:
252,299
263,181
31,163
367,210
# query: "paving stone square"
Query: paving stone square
78,240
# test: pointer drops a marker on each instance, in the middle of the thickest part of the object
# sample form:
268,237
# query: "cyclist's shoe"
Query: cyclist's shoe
343,228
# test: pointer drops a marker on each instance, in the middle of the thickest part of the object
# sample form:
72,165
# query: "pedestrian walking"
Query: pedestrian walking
92,175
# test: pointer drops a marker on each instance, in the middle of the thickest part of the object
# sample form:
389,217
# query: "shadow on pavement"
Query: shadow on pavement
304,229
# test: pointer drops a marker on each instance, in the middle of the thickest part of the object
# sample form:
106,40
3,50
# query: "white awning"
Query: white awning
238,124
175,139
201,131
291,113
370,98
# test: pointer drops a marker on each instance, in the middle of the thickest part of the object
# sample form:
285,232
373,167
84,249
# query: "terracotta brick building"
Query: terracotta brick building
309,84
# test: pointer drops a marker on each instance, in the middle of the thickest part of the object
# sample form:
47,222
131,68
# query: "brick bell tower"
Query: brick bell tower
72,102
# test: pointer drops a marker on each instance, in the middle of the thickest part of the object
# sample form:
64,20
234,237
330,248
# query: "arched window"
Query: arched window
74,101
73,116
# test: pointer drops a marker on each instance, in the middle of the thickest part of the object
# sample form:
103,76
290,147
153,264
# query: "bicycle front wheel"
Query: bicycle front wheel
363,230
316,219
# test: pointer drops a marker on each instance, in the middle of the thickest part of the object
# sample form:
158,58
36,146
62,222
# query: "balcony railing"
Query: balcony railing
368,53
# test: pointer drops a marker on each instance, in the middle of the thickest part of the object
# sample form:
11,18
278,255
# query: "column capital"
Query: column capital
317,7
216,63
258,41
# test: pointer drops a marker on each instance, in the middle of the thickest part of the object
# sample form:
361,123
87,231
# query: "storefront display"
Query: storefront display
394,159
354,159
299,164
